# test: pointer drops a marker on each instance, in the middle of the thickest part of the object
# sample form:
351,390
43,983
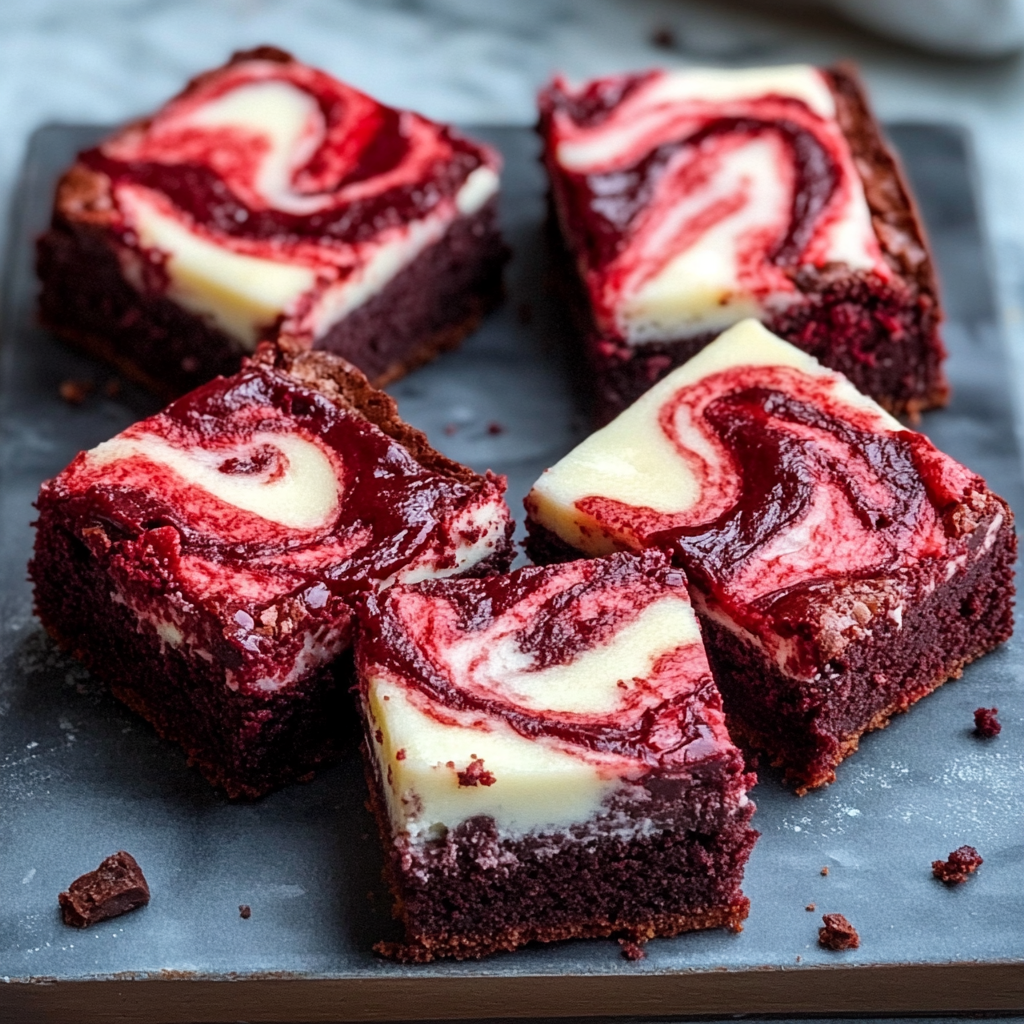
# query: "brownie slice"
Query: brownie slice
204,561
269,201
548,759
841,566
688,200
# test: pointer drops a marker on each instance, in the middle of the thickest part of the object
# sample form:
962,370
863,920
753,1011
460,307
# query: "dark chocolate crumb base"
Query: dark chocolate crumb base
633,935
114,888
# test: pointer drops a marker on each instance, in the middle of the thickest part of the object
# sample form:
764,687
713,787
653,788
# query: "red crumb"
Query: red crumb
663,37
632,950
75,392
379,736
960,864
400,754
244,911
476,775
838,933
810,906
824,871
495,428
451,428
986,724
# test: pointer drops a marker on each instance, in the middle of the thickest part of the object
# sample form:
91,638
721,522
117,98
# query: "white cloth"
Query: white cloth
968,28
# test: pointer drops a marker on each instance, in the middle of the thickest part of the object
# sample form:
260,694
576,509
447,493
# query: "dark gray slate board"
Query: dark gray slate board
81,777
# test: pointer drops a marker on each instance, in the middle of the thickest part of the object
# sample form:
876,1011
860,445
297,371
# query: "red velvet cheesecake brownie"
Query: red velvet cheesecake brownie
689,200
841,566
270,201
204,562
548,759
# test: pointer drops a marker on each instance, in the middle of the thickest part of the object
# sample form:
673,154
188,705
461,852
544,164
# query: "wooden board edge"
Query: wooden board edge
896,989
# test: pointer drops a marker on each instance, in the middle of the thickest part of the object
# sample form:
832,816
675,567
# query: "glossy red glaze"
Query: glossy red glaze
391,513
551,616
361,169
786,452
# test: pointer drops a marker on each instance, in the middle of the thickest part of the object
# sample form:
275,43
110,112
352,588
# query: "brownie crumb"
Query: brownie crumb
811,907
114,888
451,428
824,871
632,950
960,864
986,724
838,933
663,38
476,775
244,911
75,392
495,428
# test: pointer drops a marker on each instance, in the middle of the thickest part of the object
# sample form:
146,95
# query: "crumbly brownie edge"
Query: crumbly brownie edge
422,945
959,622
185,698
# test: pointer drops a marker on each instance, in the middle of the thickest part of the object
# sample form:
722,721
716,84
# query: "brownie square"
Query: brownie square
269,201
842,567
547,759
204,562
689,200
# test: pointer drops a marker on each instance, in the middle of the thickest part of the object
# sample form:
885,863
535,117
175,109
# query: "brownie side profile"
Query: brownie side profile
421,257
878,329
497,831
842,567
114,888
228,629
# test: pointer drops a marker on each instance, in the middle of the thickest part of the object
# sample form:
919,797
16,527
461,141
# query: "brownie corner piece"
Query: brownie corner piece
269,200
842,567
688,200
205,562
547,759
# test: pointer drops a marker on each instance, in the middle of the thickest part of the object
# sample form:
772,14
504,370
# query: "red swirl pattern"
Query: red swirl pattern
551,616
649,155
802,488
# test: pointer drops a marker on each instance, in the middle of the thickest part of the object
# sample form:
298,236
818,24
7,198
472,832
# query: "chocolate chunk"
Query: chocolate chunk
838,933
960,864
114,888
244,911
986,724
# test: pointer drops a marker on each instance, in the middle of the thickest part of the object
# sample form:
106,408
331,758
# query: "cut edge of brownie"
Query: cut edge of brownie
973,627
429,307
422,947
623,372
